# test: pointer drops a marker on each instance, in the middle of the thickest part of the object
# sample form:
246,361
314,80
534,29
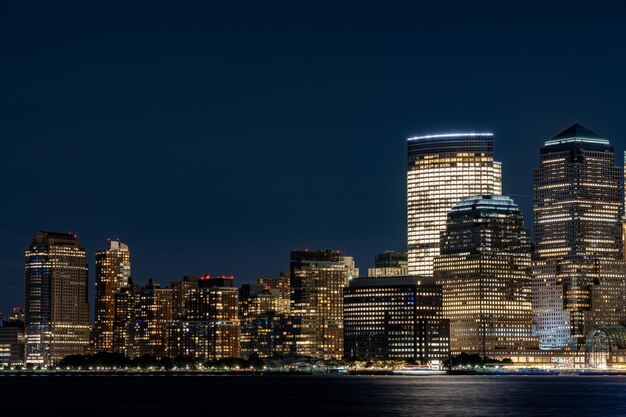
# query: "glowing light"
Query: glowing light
451,135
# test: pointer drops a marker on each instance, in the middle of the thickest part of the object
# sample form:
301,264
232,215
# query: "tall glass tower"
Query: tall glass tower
578,266
442,169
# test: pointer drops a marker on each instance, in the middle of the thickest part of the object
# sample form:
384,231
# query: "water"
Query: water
324,396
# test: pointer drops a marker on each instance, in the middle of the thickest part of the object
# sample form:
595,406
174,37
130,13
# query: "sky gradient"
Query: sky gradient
215,137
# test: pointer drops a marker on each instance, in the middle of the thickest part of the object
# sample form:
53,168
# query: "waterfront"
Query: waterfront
169,394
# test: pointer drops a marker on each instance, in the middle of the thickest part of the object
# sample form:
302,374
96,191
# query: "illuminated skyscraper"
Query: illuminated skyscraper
578,268
441,170
56,301
112,274
318,278
485,271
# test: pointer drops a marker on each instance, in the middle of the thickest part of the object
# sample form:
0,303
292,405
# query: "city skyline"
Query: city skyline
91,256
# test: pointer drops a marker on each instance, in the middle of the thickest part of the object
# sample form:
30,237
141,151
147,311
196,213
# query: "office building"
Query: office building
396,318
578,204
389,264
485,270
442,169
56,298
317,281
112,274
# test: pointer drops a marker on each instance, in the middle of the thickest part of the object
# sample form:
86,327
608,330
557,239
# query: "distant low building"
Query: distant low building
389,264
11,342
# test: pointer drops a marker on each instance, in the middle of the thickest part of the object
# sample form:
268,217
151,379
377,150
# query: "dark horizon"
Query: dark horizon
216,138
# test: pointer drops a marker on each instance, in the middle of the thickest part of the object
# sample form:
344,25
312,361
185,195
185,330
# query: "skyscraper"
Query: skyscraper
578,204
485,271
112,274
441,170
56,300
318,278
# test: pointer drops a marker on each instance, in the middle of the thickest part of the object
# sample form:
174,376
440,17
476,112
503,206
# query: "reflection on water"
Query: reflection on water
287,396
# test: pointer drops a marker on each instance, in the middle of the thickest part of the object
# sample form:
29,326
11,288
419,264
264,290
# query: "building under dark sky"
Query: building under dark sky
219,136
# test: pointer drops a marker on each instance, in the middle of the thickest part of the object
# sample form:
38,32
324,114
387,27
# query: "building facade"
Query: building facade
112,274
141,319
11,342
578,205
181,295
485,271
442,169
389,264
317,280
56,298
264,312
396,318
210,330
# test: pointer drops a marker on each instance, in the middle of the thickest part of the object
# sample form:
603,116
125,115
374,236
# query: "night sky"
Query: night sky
218,136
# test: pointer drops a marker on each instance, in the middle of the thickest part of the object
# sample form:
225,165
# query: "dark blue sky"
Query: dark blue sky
218,136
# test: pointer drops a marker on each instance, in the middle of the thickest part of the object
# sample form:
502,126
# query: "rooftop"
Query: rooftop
576,133
451,135
485,203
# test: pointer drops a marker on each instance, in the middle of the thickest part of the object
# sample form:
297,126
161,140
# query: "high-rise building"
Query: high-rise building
442,169
182,291
123,322
317,281
56,298
141,319
112,274
395,318
210,329
578,266
263,312
389,264
485,270
279,287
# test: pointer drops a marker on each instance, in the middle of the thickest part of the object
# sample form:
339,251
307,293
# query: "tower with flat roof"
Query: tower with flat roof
56,298
112,274
442,169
